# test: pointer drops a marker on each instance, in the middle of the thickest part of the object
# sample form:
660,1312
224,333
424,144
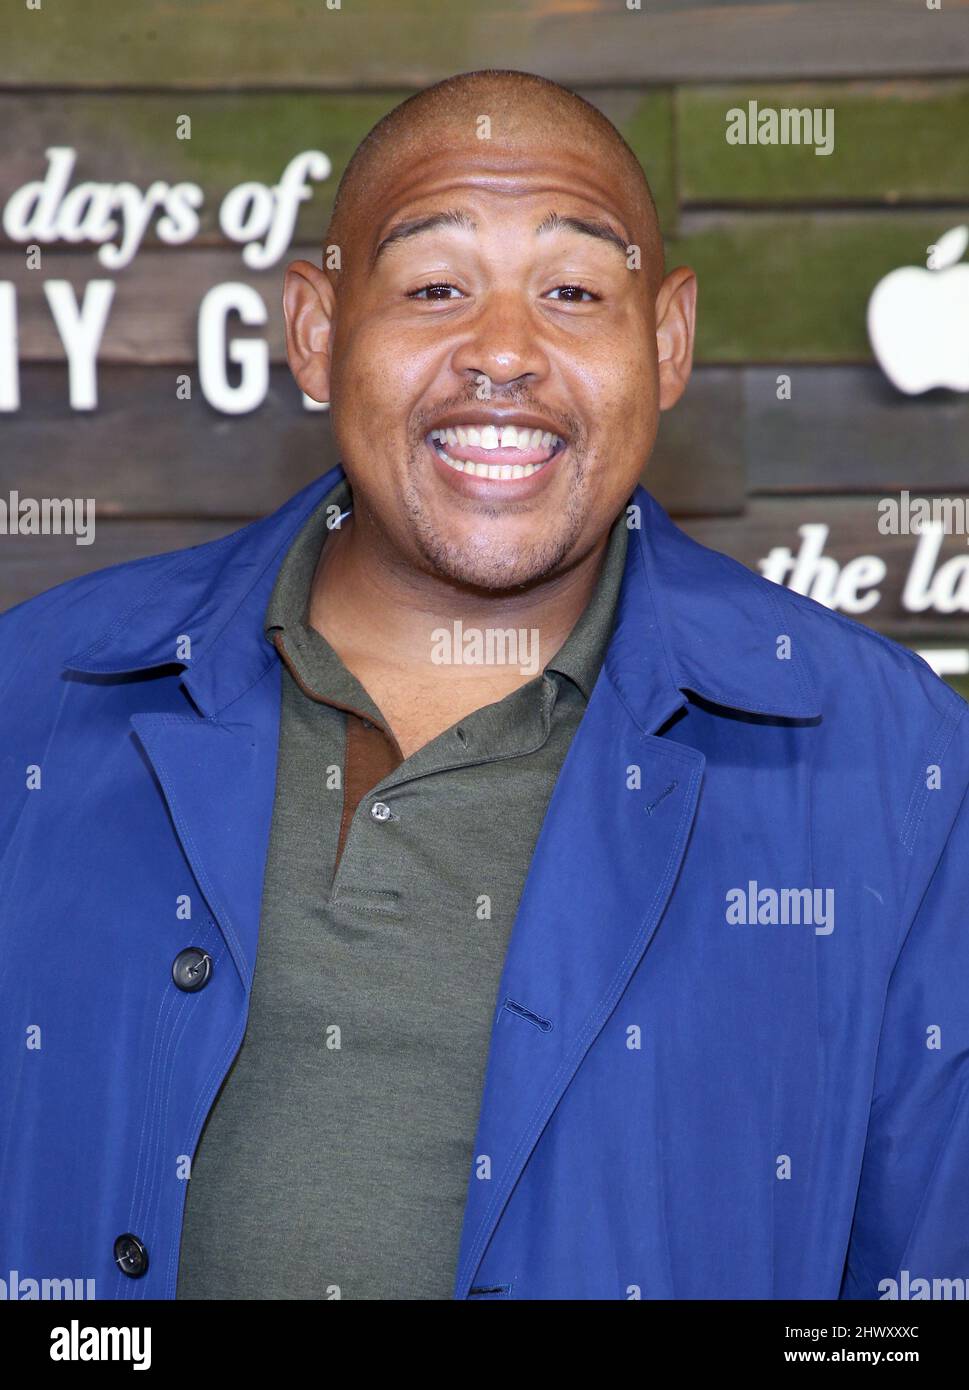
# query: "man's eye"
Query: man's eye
439,290
572,294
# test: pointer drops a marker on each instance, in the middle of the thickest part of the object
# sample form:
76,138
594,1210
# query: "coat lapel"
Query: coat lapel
219,779
603,869
216,761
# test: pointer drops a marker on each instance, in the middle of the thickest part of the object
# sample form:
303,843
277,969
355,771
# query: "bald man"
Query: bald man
609,899
494,370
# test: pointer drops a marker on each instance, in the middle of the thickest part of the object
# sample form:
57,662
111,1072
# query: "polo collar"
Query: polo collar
688,619
294,579
583,652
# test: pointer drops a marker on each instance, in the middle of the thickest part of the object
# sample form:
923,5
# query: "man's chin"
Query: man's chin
497,567
479,545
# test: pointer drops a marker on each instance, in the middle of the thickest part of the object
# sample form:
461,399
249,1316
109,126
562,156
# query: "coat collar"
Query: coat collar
693,619
688,619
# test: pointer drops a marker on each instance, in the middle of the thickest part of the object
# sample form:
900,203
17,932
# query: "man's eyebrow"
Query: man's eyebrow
587,226
416,225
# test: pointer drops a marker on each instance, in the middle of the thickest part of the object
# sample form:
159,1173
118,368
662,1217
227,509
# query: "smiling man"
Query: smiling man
496,370
460,883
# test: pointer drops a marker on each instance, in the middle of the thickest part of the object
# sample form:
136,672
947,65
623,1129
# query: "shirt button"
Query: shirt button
130,1256
380,811
191,969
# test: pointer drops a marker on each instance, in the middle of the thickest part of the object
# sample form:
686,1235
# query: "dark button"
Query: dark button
130,1256
192,968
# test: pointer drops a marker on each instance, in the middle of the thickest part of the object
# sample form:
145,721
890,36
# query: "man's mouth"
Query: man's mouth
497,452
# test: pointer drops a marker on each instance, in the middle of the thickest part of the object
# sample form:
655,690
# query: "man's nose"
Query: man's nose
504,344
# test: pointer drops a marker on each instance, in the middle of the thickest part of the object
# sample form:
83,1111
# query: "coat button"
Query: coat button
192,968
130,1256
380,811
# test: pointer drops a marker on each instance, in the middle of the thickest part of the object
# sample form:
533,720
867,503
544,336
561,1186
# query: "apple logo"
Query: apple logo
918,320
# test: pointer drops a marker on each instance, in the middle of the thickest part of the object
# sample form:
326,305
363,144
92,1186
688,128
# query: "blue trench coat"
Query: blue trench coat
737,1063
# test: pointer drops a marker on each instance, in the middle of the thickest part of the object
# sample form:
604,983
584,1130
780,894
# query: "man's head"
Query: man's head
500,282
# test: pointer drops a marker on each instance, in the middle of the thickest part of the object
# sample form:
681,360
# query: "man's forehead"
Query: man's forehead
502,176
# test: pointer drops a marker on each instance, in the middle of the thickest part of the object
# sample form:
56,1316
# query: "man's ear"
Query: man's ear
675,325
308,304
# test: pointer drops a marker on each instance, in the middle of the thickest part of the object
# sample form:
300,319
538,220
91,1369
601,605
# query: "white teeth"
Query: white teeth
495,437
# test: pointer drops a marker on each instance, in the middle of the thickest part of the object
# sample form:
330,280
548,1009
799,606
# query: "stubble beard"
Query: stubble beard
488,563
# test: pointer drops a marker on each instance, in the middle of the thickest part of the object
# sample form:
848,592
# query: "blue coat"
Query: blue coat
738,1061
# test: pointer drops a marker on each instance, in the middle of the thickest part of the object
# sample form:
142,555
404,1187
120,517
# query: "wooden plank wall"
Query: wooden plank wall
787,246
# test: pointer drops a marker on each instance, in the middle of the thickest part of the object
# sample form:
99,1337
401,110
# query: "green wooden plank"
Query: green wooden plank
383,43
893,142
666,42
235,137
645,120
795,286
261,43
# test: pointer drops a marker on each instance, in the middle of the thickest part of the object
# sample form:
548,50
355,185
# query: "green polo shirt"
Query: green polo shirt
335,1160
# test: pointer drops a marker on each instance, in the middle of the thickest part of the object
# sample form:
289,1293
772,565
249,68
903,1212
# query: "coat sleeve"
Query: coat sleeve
911,1220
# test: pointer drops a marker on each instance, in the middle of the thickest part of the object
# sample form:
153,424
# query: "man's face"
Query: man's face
494,383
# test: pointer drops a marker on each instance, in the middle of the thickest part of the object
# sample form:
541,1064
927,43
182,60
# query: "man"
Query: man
609,899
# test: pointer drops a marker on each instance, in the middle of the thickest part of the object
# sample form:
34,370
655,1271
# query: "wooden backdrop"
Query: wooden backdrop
787,246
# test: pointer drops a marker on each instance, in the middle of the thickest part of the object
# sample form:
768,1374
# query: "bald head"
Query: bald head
514,113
